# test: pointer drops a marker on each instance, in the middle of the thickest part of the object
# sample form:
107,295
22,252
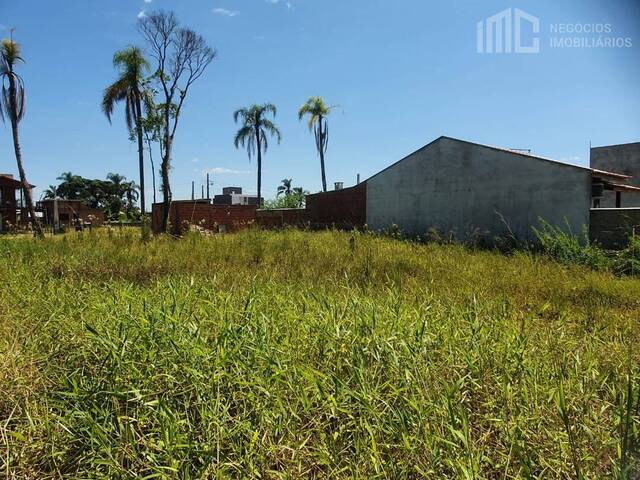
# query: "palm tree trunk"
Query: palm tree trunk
259,144
26,187
140,151
324,177
321,152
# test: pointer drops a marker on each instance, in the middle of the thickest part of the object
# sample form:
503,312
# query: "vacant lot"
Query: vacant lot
310,355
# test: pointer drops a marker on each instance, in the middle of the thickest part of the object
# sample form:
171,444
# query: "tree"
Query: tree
182,56
50,193
71,186
285,188
318,110
132,67
131,193
12,105
253,134
152,128
115,196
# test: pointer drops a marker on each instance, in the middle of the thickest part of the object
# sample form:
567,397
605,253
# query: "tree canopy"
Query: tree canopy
115,195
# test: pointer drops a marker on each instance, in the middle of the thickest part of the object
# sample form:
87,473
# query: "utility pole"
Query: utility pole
202,191
358,181
193,191
208,196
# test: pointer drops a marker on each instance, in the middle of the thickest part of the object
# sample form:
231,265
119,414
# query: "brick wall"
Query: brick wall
612,227
346,208
279,218
212,217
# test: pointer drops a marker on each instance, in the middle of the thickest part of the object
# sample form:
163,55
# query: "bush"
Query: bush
627,261
569,249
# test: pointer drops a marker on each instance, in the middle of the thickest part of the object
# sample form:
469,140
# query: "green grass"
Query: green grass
311,355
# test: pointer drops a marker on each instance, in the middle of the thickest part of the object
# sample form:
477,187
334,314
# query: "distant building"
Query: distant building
234,196
69,212
624,159
8,201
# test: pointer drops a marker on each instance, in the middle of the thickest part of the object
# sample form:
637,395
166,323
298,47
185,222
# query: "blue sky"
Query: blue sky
403,72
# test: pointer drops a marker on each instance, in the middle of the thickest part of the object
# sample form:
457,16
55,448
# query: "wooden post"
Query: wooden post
193,191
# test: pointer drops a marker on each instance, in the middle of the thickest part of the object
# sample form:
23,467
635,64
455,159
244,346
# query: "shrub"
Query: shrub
569,249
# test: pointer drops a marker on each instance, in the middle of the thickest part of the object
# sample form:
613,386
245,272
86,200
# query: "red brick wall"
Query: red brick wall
296,217
346,208
232,217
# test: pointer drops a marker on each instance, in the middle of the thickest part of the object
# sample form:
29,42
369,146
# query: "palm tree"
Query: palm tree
132,67
253,134
285,188
12,105
318,111
131,195
50,193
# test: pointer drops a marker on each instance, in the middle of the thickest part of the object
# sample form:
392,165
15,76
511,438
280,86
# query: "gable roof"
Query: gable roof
499,149
9,181
518,152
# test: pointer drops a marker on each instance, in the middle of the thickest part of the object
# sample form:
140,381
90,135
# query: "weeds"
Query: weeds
311,355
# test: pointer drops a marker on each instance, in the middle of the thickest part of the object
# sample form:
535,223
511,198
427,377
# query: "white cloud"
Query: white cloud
288,3
148,1
141,14
225,171
226,13
195,160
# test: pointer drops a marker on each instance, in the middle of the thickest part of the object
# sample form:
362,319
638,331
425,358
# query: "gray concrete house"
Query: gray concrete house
463,188
467,190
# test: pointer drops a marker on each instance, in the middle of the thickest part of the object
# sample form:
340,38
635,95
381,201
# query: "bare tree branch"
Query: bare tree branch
182,56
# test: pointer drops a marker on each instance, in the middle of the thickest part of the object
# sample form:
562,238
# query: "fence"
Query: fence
217,218
612,227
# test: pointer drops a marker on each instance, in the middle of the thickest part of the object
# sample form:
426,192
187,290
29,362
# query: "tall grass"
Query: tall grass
311,355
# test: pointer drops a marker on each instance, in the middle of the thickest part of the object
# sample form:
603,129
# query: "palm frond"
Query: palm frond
21,97
5,102
9,54
131,60
245,138
270,127
270,108
114,93
241,112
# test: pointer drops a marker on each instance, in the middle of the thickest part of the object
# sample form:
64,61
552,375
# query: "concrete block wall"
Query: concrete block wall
612,227
619,159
